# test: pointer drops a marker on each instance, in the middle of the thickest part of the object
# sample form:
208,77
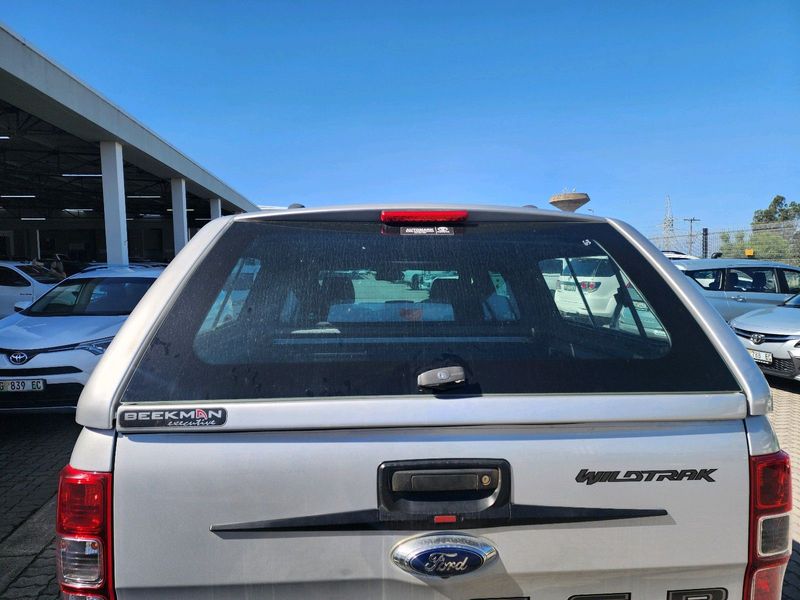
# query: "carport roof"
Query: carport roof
34,84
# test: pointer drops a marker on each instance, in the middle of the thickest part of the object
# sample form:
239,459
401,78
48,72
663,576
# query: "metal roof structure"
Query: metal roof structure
52,130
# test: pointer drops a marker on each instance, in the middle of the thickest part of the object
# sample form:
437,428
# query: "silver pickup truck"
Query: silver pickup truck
283,416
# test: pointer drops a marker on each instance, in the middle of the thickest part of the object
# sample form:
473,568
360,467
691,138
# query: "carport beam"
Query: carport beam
215,206
180,228
114,203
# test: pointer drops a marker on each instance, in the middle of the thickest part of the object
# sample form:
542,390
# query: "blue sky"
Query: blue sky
499,102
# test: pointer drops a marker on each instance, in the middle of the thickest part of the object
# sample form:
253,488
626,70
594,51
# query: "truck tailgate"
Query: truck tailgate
170,489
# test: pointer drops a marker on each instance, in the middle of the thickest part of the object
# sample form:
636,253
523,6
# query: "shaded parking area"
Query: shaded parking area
33,448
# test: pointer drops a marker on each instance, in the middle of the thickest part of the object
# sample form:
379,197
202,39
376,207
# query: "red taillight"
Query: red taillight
770,532
590,286
83,528
423,216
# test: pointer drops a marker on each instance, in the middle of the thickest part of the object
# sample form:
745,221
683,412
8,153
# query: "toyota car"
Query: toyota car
271,422
48,350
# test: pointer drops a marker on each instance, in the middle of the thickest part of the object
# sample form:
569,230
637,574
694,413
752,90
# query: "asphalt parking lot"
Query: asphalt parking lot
33,448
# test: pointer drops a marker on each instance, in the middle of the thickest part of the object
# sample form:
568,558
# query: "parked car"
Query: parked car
677,255
22,282
475,442
586,287
772,337
49,349
737,286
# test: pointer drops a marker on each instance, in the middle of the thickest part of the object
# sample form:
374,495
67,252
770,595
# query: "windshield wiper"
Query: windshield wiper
441,377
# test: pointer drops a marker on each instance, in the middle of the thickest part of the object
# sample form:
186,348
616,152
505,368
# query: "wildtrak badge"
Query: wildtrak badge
178,417
591,477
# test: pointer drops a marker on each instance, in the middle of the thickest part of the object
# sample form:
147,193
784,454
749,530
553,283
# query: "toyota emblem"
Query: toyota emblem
18,358
757,338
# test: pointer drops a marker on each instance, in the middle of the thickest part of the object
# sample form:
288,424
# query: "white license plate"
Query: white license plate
761,357
22,385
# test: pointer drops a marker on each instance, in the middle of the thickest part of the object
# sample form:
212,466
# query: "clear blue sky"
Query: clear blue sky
500,102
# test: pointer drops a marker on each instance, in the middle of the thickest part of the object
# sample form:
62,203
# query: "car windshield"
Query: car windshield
321,309
97,296
38,273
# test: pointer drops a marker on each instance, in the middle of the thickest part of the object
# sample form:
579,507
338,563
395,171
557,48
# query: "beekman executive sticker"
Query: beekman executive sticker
177,417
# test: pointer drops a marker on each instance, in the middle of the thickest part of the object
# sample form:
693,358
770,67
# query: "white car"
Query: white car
48,350
676,255
586,287
319,439
22,282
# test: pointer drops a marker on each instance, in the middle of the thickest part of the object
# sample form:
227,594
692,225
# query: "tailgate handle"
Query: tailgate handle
445,480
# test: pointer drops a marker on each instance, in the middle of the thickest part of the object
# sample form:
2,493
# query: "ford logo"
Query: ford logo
443,555
18,358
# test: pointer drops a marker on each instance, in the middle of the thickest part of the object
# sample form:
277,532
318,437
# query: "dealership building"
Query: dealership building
82,178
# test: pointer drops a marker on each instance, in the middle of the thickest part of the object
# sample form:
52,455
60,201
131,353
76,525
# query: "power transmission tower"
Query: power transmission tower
691,221
668,226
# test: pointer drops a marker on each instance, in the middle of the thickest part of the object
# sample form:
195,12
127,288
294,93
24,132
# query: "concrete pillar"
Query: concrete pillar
180,229
215,205
114,203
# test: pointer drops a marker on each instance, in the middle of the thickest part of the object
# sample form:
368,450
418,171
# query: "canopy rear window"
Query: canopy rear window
324,309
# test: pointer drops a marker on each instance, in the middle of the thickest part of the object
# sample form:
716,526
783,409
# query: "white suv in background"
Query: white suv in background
22,282
586,287
48,350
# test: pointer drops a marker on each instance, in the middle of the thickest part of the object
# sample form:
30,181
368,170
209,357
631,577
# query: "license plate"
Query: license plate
761,357
22,385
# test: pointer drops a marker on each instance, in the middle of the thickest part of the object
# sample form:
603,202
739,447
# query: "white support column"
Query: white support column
215,205
180,229
114,203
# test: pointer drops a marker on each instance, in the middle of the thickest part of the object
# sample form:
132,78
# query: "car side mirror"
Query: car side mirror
20,306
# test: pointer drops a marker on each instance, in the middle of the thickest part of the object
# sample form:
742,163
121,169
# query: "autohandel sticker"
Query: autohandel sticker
427,230
179,417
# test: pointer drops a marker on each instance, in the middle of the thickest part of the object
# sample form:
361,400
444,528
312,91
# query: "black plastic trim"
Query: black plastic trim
514,515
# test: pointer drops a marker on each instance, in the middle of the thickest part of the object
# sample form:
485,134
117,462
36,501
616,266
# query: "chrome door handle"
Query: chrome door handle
739,298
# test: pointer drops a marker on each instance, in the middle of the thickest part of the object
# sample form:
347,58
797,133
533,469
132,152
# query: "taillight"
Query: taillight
590,286
423,216
83,540
770,530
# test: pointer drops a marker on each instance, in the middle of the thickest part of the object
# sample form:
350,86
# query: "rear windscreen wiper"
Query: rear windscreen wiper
441,377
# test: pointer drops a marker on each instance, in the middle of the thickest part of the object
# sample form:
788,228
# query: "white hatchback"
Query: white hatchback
48,350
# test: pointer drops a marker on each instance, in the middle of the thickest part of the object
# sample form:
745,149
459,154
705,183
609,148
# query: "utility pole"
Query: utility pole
691,221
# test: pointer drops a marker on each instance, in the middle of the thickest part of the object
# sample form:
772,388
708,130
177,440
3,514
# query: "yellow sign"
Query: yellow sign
749,252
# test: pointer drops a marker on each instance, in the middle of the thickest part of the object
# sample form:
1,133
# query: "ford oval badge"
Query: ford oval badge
443,555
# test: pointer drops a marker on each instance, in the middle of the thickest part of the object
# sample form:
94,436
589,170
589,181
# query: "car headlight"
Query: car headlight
96,347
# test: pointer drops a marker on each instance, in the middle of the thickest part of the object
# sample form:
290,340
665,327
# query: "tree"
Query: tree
777,211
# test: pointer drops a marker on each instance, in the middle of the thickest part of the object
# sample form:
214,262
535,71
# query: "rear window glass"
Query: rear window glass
312,310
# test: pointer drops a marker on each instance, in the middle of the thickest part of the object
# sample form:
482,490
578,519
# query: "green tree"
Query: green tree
778,210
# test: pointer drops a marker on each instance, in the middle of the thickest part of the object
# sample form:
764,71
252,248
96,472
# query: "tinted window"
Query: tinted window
331,311
91,297
708,279
752,279
590,292
792,279
12,278
40,274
